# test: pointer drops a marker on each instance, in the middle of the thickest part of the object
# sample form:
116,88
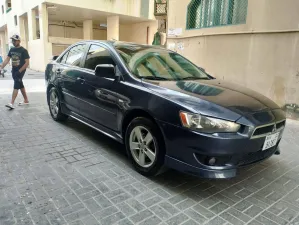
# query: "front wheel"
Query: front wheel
145,146
54,106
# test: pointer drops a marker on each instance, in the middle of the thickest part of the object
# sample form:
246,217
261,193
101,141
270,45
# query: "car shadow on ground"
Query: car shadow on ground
169,178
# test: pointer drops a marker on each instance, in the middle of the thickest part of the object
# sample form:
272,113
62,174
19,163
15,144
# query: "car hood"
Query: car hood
230,96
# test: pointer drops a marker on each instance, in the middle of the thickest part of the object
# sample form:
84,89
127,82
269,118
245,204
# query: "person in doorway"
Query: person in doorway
20,61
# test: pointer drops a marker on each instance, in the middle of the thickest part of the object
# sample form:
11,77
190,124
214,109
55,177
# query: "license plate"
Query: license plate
271,141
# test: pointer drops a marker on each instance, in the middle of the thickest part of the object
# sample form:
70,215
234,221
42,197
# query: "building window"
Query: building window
2,9
211,13
16,20
8,6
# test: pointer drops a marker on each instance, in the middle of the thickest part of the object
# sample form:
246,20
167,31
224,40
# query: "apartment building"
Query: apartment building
47,27
250,42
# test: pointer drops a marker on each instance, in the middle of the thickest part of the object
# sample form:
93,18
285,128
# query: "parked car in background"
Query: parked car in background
163,108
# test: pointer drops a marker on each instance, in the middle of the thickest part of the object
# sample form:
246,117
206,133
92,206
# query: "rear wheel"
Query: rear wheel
54,106
145,146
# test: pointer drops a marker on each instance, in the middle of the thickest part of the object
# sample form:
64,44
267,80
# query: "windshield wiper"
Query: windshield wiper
154,78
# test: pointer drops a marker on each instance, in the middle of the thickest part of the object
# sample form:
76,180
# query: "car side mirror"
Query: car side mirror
105,70
55,57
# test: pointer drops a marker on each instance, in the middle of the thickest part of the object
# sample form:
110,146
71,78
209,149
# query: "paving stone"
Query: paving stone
140,216
151,221
178,219
103,201
92,205
168,207
76,215
137,206
90,220
220,207
160,212
113,218
195,216
97,185
125,222
55,218
216,221
230,218
126,209
106,212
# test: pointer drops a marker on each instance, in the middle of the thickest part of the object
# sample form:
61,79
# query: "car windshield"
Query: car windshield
158,64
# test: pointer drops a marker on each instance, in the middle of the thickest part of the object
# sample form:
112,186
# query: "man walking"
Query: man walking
20,61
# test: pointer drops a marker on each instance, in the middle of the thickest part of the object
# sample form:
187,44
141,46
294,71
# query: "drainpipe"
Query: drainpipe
147,35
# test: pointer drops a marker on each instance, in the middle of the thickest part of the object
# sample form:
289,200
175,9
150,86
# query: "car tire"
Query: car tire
151,146
54,106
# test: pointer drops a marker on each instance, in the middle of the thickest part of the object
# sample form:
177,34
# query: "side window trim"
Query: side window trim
65,54
68,51
101,46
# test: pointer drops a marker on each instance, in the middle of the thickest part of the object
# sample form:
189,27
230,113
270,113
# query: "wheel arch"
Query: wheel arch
50,86
135,113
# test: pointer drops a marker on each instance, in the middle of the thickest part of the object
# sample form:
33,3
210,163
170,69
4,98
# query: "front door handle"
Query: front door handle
58,71
103,92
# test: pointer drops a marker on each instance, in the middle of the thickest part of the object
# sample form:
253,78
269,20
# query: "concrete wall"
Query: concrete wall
124,7
261,54
57,30
138,32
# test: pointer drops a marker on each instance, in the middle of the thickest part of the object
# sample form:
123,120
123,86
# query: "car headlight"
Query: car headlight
207,124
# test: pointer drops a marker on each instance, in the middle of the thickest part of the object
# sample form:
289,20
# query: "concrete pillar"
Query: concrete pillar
22,31
3,45
7,39
87,30
44,33
43,22
32,24
113,28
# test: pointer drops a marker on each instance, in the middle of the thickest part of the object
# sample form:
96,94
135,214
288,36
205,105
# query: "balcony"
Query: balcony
160,8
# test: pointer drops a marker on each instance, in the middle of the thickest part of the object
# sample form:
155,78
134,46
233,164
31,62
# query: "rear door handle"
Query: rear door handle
81,79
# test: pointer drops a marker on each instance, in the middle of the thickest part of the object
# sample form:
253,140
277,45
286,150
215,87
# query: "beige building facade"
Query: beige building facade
250,42
49,27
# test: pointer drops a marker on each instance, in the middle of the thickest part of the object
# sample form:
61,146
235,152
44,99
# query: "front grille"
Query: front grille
280,124
263,130
256,156
268,129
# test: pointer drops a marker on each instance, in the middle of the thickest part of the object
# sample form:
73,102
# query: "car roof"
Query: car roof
120,43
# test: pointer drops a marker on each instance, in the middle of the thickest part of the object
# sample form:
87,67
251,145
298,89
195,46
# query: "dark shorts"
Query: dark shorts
18,79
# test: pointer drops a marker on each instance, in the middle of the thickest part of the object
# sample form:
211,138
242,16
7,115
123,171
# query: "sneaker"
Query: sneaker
23,103
10,106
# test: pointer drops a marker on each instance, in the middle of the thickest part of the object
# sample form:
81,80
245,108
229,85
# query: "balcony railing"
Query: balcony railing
160,9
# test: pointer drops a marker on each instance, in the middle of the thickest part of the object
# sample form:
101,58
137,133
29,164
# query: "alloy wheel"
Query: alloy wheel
142,146
54,104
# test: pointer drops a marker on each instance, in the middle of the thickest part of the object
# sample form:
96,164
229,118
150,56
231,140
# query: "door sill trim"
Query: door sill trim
118,139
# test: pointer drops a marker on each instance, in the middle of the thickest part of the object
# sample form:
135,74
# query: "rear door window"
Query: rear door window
75,55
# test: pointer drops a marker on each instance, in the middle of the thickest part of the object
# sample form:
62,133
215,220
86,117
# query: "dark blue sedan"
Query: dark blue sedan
163,108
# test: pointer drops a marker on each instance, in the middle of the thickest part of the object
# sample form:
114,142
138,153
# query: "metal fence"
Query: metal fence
210,13
160,7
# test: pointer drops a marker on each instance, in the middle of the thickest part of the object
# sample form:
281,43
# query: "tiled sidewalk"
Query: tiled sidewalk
53,173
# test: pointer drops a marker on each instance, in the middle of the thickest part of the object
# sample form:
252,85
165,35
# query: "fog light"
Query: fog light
212,161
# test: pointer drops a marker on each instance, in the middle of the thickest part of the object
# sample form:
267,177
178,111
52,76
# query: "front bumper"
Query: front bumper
189,152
